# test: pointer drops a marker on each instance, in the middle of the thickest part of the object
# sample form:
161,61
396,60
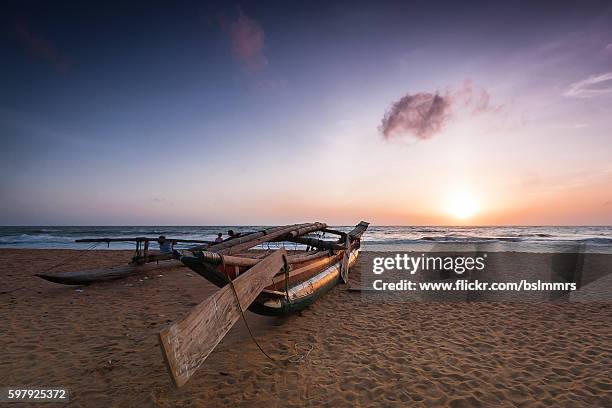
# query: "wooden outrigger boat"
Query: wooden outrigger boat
264,281
309,275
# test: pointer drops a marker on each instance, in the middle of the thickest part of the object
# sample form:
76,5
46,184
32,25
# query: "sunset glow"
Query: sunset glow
234,116
462,205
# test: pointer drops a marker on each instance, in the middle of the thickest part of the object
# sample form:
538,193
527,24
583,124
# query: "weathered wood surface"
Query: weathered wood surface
241,260
317,243
248,238
334,232
311,268
102,274
316,226
303,229
188,342
359,229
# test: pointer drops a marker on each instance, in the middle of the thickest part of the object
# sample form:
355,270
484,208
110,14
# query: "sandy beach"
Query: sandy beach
100,341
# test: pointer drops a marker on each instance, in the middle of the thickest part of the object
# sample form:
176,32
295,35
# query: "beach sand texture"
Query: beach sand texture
101,342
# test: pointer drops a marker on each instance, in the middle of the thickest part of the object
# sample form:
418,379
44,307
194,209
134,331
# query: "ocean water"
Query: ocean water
379,238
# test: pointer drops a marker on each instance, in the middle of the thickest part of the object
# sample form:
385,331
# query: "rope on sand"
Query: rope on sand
231,283
296,358
77,255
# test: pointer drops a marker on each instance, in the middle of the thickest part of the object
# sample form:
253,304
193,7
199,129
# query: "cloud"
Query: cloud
422,114
41,48
596,85
248,40
425,114
473,98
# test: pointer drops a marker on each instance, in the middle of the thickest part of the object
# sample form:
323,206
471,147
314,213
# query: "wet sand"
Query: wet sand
100,341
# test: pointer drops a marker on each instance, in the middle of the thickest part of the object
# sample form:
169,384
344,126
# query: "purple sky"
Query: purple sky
269,113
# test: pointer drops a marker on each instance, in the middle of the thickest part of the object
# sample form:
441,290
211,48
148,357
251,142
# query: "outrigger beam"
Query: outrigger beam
144,262
143,239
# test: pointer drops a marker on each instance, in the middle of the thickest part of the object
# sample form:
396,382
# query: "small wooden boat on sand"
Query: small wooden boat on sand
250,275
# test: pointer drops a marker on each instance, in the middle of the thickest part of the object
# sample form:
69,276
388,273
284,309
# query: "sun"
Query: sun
462,204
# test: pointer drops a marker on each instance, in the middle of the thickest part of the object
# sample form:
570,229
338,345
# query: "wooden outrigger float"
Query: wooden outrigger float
264,281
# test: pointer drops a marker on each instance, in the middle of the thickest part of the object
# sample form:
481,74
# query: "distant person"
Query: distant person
231,234
219,238
165,246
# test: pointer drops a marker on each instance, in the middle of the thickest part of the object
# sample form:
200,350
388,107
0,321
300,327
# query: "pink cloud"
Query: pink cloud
247,39
41,48
472,97
424,114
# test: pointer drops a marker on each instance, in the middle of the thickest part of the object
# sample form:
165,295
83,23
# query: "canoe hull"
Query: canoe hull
105,274
304,294
301,295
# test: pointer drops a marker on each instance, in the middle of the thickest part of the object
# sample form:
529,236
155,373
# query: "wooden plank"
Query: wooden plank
188,342
215,259
316,265
359,229
102,274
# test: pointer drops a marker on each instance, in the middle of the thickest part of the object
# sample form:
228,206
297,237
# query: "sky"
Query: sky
263,113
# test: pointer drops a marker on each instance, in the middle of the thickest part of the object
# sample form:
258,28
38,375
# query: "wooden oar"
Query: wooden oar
188,342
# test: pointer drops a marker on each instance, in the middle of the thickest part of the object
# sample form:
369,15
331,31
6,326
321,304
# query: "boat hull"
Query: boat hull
300,295
304,294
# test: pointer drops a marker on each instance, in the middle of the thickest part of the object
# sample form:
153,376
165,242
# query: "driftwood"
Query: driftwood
188,342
